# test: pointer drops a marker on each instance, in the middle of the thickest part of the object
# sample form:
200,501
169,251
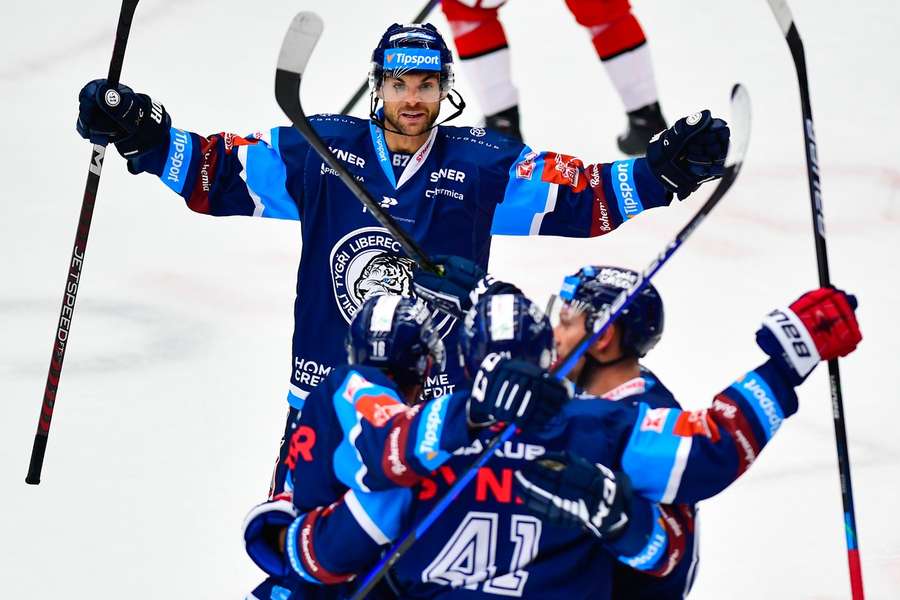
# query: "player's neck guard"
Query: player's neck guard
376,114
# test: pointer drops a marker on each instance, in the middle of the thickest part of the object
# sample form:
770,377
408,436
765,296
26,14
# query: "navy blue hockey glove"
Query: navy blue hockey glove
459,288
261,530
514,391
820,325
568,491
690,152
133,122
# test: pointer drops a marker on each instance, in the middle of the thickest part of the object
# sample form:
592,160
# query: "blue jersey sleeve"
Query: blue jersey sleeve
677,456
556,194
224,174
330,545
381,442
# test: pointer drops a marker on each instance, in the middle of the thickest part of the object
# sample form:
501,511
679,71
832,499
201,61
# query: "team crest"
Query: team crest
366,263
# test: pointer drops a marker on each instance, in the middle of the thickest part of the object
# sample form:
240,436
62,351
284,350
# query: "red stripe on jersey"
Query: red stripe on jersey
601,221
393,462
307,551
677,521
199,198
728,415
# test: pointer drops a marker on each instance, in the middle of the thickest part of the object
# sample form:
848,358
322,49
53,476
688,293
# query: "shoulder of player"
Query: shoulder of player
333,128
480,145
655,395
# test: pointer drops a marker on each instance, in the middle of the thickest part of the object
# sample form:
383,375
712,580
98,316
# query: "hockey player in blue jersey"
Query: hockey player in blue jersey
451,188
391,346
611,370
666,455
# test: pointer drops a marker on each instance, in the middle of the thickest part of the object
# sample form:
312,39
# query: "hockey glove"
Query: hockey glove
459,288
689,153
133,122
514,391
820,325
568,491
261,530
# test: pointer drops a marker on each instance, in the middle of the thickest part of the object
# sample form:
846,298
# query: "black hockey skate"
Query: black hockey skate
643,124
505,122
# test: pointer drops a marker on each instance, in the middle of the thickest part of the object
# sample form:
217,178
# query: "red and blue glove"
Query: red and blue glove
820,325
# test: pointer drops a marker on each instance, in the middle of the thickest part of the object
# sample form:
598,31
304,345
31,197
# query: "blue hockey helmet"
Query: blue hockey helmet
593,288
395,333
415,47
506,323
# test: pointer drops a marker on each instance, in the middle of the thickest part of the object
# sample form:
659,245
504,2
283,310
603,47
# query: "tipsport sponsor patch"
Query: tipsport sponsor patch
625,188
179,160
419,59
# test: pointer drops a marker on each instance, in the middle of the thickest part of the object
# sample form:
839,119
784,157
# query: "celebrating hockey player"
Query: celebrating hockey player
451,188
391,346
584,468
617,37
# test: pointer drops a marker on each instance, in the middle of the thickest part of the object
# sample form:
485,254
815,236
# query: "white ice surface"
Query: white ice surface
172,397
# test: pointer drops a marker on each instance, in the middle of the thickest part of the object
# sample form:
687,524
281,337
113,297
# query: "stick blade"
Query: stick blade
740,126
782,13
300,41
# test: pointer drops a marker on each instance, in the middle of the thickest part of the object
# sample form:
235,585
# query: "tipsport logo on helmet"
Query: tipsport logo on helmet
419,59
367,262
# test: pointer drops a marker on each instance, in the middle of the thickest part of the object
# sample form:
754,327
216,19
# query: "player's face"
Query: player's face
411,102
569,330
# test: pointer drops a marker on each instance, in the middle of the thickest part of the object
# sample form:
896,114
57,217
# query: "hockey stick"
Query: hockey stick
66,311
365,84
785,20
299,42
740,128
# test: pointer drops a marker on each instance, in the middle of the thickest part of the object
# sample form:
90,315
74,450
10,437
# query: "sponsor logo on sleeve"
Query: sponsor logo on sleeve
179,159
564,170
378,407
525,167
696,423
626,189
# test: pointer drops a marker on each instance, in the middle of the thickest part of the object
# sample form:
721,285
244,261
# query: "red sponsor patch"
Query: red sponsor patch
655,420
564,170
231,141
307,552
378,408
696,422
199,199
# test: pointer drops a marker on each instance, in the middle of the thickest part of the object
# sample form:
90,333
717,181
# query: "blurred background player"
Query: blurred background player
617,37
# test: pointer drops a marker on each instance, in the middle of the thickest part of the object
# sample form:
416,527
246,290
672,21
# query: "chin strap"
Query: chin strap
375,115
592,366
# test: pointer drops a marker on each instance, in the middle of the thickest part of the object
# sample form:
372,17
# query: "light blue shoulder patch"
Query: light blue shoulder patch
266,178
527,197
651,450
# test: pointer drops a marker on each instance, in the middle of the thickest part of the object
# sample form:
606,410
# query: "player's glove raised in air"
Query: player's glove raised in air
568,491
514,391
133,122
460,285
820,325
262,529
690,152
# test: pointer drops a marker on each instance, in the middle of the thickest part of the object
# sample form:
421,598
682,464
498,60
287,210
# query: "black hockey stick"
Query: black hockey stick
66,312
740,128
786,21
365,84
298,45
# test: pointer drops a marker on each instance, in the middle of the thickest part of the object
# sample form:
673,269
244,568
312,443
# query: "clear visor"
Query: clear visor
560,310
404,89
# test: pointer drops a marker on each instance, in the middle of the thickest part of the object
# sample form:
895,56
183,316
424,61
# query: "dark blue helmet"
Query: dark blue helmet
508,323
412,47
594,287
395,333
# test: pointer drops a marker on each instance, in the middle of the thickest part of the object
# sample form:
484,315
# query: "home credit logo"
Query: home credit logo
421,59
